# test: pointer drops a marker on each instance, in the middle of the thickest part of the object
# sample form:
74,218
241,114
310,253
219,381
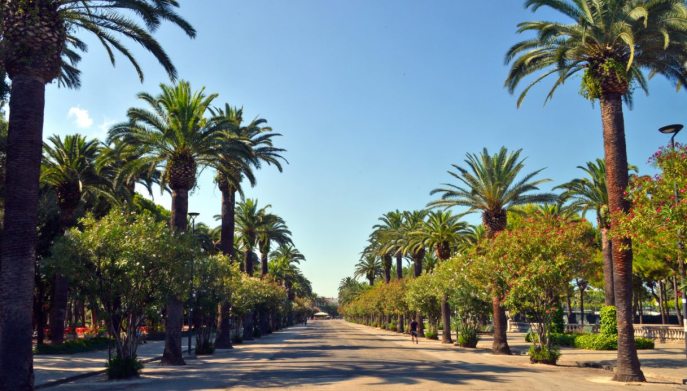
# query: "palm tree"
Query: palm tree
444,232
177,138
413,222
614,43
283,265
587,194
369,267
386,234
70,169
272,229
122,162
490,185
249,218
256,137
38,46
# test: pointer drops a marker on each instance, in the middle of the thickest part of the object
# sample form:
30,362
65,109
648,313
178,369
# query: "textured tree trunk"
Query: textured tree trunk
615,152
18,249
420,324
387,268
494,222
223,340
500,344
174,321
263,263
228,225
248,326
399,266
248,264
581,306
662,301
58,306
607,251
446,320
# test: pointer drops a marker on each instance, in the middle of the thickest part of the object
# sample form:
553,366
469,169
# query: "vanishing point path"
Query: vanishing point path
335,355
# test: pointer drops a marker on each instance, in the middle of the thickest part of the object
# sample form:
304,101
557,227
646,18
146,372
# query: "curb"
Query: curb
610,366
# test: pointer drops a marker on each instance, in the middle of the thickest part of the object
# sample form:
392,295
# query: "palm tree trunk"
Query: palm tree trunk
607,251
18,250
58,306
628,368
387,268
399,266
228,225
223,340
248,264
174,320
581,306
263,262
500,344
446,320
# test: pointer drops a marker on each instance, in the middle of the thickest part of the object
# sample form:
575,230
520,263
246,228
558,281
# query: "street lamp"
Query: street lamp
192,216
673,130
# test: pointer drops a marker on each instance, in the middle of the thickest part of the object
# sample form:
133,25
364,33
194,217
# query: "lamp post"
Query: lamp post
673,130
192,216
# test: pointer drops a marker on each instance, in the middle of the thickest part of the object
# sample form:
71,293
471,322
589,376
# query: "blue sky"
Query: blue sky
375,101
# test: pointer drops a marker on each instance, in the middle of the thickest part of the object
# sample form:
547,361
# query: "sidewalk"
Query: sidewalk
50,369
666,362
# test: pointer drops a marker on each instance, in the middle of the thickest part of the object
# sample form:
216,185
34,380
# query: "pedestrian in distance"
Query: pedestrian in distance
413,331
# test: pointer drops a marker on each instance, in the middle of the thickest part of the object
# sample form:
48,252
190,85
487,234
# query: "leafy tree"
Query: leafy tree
491,184
272,229
127,262
177,137
38,46
534,262
613,43
443,232
70,169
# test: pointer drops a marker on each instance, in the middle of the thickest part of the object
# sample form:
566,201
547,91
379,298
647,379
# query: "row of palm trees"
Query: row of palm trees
493,185
166,143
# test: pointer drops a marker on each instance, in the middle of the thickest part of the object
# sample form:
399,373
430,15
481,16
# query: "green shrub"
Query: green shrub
257,333
644,343
237,339
467,337
74,346
543,355
561,339
393,327
431,334
557,323
596,342
609,324
531,336
123,368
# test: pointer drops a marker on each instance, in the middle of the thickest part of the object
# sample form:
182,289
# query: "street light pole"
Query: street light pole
673,130
192,216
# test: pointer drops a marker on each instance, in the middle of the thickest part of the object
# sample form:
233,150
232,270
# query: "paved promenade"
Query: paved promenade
335,355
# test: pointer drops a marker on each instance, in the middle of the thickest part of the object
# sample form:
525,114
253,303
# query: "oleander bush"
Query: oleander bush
431,334
467,337
74,346
608,324
544,355
123,368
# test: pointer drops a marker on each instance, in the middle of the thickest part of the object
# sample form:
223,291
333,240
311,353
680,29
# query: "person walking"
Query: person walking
413,331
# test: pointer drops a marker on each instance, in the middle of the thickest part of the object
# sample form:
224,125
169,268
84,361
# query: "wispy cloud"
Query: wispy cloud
81,117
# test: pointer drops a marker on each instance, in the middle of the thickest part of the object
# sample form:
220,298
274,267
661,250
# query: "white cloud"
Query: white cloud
81,117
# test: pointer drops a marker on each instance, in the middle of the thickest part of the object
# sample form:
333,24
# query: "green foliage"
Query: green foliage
593,78
609,325
431,334
558,323
74,346
544,355
123,368
205,348
392,326
562,339
644,343
596,342
467,337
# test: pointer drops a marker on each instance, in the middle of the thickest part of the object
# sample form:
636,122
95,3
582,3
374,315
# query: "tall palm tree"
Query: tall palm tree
369,267
70,169
122,162
249,218
272,229
377,248
614,43
413,222
283,266
444,232
38,46
232,168
387,231
589,193
490,184
177,138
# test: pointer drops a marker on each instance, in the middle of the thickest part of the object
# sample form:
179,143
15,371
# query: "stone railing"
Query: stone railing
661,333
581,328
